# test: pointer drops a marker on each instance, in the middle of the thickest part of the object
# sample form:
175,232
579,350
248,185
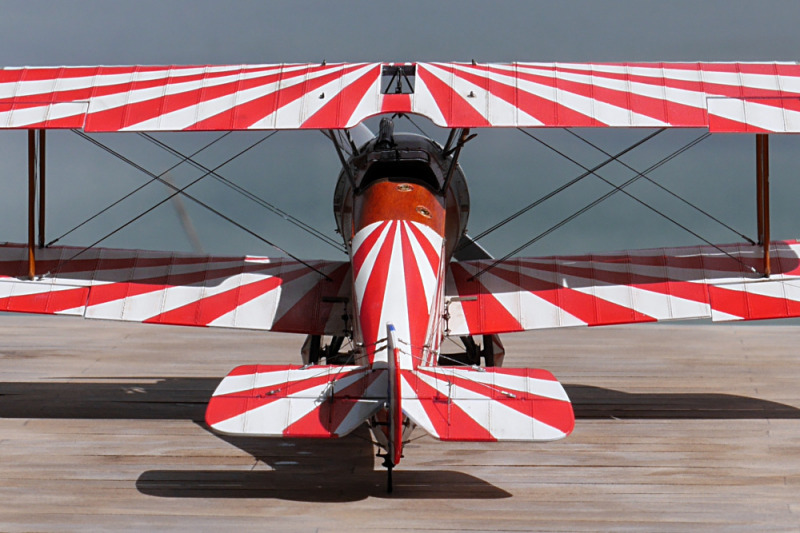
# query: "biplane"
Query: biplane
375,323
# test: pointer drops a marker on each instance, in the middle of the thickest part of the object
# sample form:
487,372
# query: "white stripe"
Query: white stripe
290,114
368,105
496,110
426,272
539,387
395,299
270,378
412,407
364,274
501,421
423,103
608,114
194,113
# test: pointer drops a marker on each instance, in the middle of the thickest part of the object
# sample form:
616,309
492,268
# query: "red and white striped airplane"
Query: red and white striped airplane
413,277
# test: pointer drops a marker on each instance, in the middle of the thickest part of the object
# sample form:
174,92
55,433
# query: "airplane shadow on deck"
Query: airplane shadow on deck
333,470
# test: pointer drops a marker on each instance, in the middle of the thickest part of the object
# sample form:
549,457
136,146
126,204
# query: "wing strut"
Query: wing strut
762,196
342,159
36,173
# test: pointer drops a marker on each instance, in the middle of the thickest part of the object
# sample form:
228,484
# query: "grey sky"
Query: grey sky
297,170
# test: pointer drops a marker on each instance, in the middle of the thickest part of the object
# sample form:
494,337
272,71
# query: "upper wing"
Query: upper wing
624,287
723,97
179,289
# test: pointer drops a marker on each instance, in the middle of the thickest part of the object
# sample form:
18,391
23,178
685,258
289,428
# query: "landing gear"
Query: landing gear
490,352
314,353
389,466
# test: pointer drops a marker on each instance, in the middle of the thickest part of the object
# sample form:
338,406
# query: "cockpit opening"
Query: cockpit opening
398,171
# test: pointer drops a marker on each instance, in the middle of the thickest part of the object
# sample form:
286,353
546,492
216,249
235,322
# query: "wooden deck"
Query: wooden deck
678,428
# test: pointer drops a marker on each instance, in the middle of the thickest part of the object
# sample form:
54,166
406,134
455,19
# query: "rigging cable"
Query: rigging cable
609,194
247,194
404,115
675,195
570,183
137,189
182,190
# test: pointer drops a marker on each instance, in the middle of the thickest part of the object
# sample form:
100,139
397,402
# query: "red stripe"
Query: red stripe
311,313
696,292
374,293
131,114
593,310
260,369
363,250
203,311
545,110
430,252
115,291
417,303
341,107
396,103
245,115
676,114
486,314
749,306
326,419
449,420
227,406
47,302
457,112
554,413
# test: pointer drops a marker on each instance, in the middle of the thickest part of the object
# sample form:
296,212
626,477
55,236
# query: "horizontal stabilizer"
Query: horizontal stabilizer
294,401
487,404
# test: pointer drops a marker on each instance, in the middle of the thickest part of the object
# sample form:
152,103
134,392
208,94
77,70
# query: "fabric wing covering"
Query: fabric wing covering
179,289
516,295
625,287
721,97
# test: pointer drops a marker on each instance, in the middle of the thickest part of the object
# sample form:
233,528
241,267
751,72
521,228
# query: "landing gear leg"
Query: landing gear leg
389,466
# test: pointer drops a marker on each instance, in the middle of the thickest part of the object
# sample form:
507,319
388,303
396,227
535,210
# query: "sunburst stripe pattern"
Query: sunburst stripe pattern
168,288
293,401
490,404
396,267
626,287
723,97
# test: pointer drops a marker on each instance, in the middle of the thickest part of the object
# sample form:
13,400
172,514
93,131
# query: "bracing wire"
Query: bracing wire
247,194
182,190
672,193
137,189
609,194
570,183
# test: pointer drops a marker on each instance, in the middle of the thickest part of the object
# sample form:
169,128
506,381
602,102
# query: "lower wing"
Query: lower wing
179,289
624,287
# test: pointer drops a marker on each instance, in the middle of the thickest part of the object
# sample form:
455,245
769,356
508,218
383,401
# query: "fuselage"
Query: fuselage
401,219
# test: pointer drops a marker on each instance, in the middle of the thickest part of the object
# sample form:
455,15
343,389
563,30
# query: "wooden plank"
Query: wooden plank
678,427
